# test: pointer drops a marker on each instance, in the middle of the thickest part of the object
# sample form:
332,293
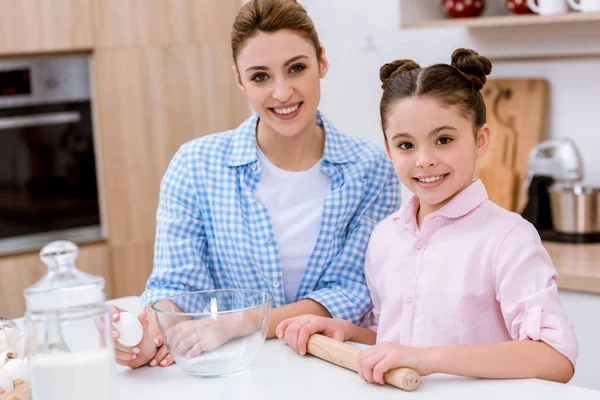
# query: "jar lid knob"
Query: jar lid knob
59,254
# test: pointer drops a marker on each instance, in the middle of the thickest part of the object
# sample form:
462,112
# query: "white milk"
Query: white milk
73,376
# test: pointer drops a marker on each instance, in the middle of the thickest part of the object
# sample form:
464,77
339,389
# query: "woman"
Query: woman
284,203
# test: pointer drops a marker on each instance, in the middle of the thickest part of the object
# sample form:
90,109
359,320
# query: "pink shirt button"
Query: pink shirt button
419,245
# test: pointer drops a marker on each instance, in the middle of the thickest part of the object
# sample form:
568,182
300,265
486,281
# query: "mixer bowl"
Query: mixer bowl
575,209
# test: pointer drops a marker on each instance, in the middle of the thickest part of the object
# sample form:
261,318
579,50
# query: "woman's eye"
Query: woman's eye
259,77
297,68
405,146
443,140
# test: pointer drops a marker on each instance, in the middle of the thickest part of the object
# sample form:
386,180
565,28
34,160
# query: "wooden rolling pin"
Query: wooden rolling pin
345,355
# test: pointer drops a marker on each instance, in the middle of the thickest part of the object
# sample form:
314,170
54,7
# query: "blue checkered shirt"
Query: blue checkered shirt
212,232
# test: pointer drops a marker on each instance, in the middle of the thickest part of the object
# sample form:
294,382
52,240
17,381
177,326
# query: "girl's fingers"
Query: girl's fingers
311,327
293,332
380,369
281,328
368,364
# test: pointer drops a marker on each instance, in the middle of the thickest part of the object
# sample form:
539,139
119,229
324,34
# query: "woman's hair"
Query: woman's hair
270,16
457,84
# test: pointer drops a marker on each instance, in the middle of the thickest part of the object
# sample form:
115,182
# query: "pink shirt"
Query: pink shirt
475,273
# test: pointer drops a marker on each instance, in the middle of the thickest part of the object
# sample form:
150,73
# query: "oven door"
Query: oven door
48,185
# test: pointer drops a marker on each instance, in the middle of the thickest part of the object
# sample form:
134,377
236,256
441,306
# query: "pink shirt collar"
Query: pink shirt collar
463,203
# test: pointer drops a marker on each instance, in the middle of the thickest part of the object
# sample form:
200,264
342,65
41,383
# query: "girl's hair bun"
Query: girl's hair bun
390,70
473,66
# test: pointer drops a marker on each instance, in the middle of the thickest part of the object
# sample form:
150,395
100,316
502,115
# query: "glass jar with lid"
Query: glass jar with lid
68,326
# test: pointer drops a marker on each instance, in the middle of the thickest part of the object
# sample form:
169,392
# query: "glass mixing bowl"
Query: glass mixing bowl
214,333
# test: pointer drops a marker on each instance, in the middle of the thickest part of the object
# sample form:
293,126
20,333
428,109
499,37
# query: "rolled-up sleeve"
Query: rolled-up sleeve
342,288
526,287
180,252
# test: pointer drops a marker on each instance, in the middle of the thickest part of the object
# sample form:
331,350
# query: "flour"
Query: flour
73,376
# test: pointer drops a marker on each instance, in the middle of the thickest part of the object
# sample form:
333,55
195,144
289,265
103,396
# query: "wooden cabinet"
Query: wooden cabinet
162,74
20,272
131,265
149,101
28,26
163,22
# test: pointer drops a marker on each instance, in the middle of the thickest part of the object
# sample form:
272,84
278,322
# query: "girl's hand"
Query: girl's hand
375,361
138,355
296,331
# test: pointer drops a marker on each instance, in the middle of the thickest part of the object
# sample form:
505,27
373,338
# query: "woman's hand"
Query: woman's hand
148,351
193,337
375,361
296,331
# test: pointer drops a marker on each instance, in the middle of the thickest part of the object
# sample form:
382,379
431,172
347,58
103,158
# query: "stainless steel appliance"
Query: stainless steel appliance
48,185
558,205
575,209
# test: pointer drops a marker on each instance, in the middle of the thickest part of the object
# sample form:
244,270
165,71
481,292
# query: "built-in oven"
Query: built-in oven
48,182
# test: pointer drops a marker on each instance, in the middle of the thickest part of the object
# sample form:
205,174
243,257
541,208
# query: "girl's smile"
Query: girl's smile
430,181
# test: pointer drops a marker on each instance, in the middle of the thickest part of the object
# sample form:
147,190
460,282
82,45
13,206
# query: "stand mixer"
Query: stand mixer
561,209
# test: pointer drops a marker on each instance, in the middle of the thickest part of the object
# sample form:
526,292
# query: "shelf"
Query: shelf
506,21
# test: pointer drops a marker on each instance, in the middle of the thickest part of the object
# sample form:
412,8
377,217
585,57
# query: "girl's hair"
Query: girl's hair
270,16
457,84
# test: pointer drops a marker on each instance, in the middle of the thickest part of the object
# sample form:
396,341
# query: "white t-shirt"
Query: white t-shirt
295,203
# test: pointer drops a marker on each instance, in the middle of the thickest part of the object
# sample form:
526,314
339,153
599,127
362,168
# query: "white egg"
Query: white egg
6,383
16,369
130,329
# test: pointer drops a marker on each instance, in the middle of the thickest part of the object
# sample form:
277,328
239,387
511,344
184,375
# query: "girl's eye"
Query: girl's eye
405,146
443,140
296,69
260,77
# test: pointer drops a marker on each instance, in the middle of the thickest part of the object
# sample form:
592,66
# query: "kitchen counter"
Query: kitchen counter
278,373
578,265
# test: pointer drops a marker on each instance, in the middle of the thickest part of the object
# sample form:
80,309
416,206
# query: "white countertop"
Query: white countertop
278,373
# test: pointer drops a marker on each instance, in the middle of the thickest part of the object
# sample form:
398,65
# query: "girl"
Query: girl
459,285
284,203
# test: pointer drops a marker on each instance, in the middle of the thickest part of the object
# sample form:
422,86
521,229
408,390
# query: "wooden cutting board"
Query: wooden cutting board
516,114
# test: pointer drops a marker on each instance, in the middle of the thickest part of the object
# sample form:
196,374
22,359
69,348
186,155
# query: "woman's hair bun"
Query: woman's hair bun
473,66
390,70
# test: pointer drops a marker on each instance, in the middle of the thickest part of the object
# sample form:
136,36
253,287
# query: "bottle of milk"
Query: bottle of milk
68,326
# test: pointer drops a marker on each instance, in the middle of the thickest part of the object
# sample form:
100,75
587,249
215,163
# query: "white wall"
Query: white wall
360,36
